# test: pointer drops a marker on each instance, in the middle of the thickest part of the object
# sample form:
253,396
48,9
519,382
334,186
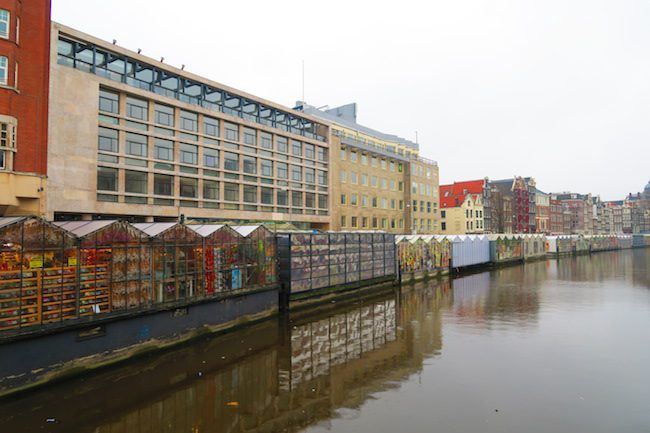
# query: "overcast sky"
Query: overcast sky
554,89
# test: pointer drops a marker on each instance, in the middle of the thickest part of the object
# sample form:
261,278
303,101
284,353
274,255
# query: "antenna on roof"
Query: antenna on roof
303,79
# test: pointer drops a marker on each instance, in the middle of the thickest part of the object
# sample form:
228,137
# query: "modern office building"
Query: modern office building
134,137
24,82
378,180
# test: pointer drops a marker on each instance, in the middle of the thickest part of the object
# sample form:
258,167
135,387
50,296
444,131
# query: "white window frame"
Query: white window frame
8,22
4,70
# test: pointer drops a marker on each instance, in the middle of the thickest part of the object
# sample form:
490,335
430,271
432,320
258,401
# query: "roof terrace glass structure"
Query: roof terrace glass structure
116,67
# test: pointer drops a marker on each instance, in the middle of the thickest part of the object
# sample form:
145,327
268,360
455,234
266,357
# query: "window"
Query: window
296,148
267,195
343,199
296,173
364,222
283,170
4,70
4,24
364,179
354,221
364,200
107,141
373,162
343,221
106,179
310,199
282,145
109,102
374,222
211,126
392,204
189,121
353,156
322,177
309,151
353,199
373,181
231,161
343,176
163,184
250,136
267,168
210,158
415,205
282,198
384,203
231,131
189,154
310,175
414,188
342,154
384,183
164,115
383,164
400,186
364,159
374,202
353,177
210,190
322,154
250,164
250,194
231,192
137,108
267,140
136,144
392,168
135,182
296,198
322,202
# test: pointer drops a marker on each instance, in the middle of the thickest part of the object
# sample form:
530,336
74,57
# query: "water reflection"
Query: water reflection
310,367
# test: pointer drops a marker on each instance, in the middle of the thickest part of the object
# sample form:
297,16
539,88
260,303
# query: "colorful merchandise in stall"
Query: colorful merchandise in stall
534,246
114,266
177,270
259,256
505,248
222,257
38,273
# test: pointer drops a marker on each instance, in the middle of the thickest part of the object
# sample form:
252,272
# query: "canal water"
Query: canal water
552,346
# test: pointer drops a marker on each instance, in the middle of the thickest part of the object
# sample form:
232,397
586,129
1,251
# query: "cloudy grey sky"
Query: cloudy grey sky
555,89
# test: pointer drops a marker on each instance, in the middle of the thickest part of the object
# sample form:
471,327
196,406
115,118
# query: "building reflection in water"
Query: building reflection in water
306,367
270,377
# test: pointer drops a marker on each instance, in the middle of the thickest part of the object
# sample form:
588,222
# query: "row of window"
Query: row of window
99,61
365,201
371,222
368,142
168,152
422,208
191,124
137,182
374,161
375,182
424,189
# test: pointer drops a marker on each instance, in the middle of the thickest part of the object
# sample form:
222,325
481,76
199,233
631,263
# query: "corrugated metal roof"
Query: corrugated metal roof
7,221
205,230
247,230
153,229
84,228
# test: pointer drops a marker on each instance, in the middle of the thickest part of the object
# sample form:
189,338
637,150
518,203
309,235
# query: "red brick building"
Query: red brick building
24,88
